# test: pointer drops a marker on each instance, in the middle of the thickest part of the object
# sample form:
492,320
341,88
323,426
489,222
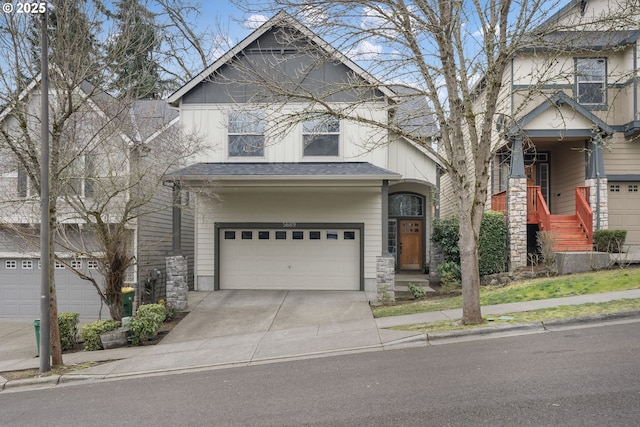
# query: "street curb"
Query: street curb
51,380
490,330
592,318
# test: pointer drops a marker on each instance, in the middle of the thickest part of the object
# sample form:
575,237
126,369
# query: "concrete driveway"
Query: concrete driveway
302,313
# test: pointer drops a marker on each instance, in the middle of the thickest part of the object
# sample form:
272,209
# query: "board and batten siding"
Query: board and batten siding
299,205
410,162
358,142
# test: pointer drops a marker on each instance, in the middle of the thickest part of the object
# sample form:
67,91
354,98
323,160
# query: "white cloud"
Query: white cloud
254,21
364,51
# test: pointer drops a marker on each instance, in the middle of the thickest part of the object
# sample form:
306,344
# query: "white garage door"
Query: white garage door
319,259
20,290
624,209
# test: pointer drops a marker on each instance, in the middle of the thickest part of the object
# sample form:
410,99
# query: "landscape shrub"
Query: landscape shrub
417,291
450,276
146,322
445,234
68,326
492,244
91,332
609,240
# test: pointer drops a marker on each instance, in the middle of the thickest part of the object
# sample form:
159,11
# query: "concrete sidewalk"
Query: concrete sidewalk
239,328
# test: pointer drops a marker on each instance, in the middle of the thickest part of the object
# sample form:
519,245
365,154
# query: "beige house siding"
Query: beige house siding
567,172
622,157
321,205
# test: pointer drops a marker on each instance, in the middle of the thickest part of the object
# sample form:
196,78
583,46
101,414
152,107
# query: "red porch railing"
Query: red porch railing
499,202
537,209
584,212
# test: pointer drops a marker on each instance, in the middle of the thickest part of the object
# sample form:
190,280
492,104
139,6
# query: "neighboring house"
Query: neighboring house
313,205
150,234
568,152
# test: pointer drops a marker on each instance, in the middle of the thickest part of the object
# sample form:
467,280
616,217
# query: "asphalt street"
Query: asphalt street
576,377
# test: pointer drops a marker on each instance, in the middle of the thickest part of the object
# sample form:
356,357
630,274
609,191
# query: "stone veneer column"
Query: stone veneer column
517,222
177,287
592,183
385,278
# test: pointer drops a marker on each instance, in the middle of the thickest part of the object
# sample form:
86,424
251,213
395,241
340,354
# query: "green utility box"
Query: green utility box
127,301
36,326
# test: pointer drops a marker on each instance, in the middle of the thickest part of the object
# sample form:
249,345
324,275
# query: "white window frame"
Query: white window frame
27,264
324,127
249,124
11,264
76,263
585,70
92,264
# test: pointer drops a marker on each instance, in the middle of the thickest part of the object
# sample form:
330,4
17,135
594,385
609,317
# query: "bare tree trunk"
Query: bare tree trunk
471,312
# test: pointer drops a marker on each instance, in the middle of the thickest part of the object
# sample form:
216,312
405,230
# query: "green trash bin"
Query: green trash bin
127,301
36,326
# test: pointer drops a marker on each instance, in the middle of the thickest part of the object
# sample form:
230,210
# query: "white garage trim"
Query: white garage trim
323,228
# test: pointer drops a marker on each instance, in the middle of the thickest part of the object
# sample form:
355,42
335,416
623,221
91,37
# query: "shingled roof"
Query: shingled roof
310,170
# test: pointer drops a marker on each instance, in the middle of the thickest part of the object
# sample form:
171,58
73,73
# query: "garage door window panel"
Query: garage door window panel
297,235
247,235
281,235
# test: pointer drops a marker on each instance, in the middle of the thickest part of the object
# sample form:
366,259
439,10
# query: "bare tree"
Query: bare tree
453,54
97,185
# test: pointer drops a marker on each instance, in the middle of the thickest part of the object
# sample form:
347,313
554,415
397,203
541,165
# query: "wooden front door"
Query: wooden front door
410,244
531,173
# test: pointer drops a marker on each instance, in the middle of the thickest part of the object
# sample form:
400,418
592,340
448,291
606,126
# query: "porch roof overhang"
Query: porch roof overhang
209,173
632,129
557,100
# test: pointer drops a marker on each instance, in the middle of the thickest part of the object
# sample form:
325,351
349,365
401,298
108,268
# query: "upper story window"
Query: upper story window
591,81
321,137
246,133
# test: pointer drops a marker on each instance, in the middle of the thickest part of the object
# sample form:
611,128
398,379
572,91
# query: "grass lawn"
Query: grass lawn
561,312
529,290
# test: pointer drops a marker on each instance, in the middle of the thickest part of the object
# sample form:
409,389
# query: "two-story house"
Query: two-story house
309,205
567,144
107,158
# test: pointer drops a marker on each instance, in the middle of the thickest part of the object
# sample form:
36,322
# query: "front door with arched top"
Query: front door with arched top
406,230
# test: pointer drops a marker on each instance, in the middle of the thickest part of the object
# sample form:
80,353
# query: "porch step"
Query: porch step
568,234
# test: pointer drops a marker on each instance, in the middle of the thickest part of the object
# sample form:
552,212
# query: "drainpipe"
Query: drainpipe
597,154
177,219
385,217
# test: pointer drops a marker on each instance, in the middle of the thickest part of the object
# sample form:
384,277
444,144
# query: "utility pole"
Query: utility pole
45,243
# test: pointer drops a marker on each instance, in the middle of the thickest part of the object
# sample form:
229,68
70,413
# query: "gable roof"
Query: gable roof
282,19
558,99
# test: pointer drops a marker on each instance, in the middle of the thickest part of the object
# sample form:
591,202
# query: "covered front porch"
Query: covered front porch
550,177
572,232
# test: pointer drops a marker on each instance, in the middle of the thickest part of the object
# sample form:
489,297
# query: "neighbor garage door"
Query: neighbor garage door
20,290
311,259
624,209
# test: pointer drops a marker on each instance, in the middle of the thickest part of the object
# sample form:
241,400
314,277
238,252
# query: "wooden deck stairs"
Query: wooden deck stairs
571,233
568,234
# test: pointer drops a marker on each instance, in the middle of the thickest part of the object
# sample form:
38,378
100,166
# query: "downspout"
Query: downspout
385,218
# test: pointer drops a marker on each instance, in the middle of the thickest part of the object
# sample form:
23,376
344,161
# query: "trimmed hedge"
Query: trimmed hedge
91,332
609,240
68,326
492,245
